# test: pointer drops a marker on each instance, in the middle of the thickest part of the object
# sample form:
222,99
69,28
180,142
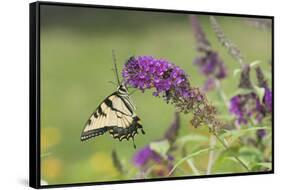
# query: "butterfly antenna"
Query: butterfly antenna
112,82
133,92
115,67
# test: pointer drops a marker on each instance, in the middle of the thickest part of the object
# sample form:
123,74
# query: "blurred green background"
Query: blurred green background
76,63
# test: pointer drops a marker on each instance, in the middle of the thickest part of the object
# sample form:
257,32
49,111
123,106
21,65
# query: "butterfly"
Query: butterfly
116,114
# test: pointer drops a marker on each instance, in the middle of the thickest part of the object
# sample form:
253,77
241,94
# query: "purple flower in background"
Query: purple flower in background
203,45
267,99
209,63
262,82
245,106
245,79
145,72
236,107
158,165
172,132
144,155
209,84
261,133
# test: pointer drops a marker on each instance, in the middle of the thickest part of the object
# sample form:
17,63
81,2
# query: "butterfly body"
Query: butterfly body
115,115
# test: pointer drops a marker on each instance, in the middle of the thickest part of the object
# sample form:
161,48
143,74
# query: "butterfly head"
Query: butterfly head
122,89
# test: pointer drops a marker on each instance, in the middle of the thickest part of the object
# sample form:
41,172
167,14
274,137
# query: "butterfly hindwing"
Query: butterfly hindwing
116,115
129,129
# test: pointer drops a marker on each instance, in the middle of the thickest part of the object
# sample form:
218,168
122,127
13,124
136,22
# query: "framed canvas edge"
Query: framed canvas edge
34,94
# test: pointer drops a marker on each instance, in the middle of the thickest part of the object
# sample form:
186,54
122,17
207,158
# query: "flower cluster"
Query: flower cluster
262,82
267,99
246,106
261,133
149,161
245,80
143,156
209,63
146,72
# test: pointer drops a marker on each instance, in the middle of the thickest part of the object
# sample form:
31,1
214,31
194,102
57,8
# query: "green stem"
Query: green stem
236,157
193,167
223,97
211,158
221,93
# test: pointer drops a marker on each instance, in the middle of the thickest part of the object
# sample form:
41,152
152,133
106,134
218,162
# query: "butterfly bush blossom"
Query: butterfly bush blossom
150,161
144,155
267,99
262,82
209,62
145,72
246,106
172,83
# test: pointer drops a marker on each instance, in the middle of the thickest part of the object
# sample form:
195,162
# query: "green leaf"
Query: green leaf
235,134
251,153
188,157
255,63
160,147
243,91
264,164
235,160
260,92
236,72
193,138
241,131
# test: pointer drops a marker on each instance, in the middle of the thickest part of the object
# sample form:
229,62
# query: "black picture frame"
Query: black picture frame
35,96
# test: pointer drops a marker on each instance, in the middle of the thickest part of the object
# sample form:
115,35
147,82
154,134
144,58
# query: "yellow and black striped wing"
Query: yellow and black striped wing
116,115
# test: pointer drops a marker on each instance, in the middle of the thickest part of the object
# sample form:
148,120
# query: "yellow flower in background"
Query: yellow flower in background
102,163
51,168
50,136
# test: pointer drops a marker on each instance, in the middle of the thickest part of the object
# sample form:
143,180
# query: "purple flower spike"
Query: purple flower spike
203,45
211,65
267,99
145,72
245,106
209,84
236,108
172,132
144,155
261,133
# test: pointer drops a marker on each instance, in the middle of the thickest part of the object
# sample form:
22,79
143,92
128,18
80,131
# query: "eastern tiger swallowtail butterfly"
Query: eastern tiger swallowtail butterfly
115,115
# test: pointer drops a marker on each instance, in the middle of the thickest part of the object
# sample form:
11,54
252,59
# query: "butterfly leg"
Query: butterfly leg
134,143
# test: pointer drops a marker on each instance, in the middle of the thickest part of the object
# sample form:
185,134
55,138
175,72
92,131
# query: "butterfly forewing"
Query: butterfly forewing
116,115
